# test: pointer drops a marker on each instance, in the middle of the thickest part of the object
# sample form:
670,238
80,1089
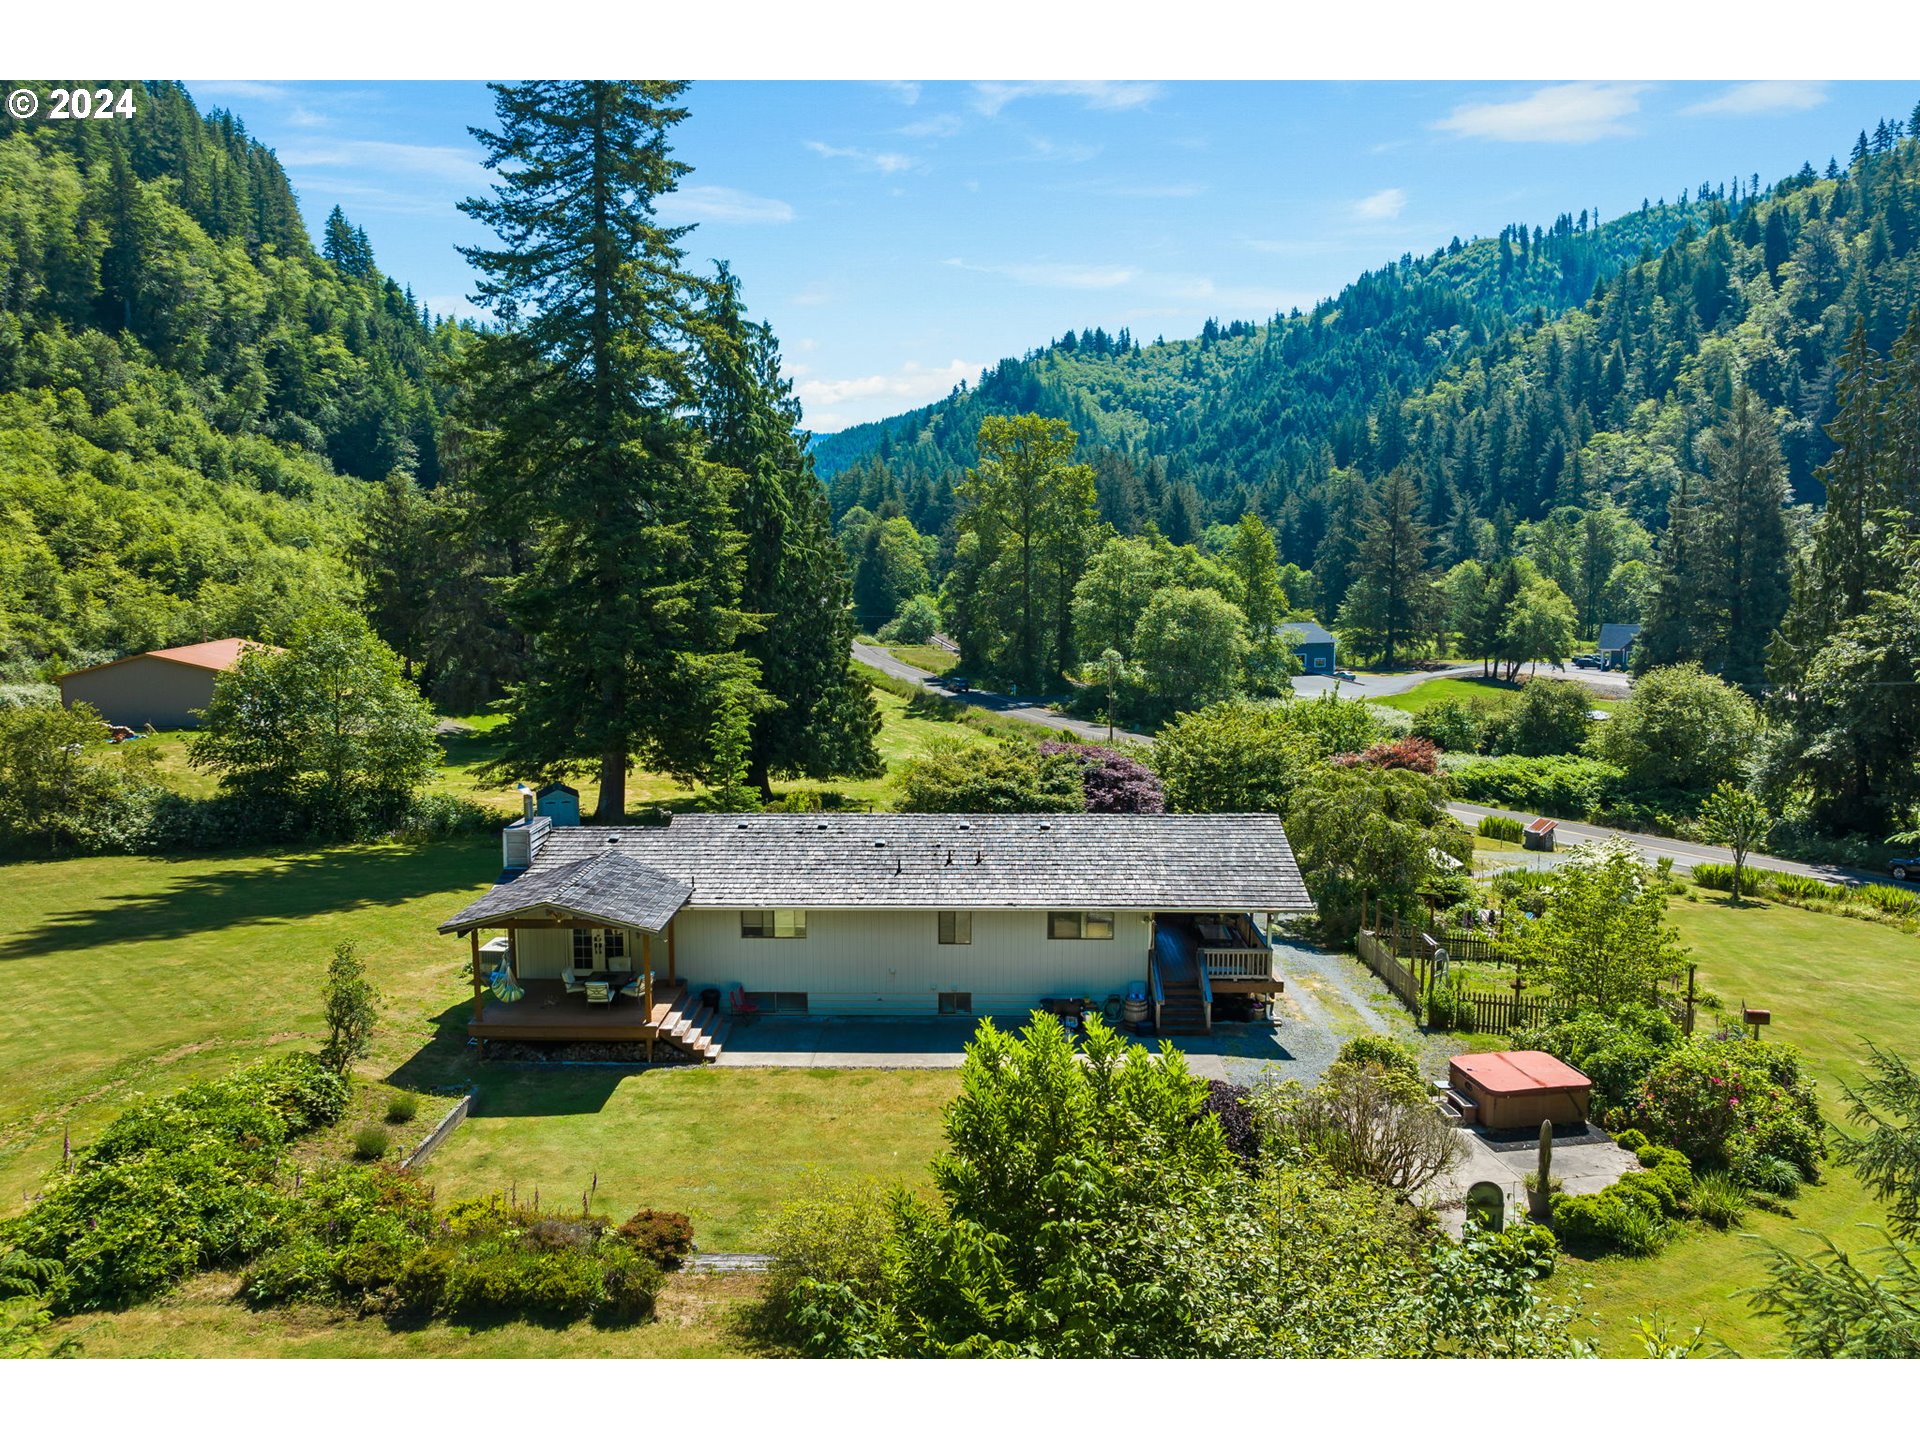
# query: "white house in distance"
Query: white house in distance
617,933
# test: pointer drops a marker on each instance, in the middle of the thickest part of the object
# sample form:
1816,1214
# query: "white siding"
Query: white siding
890,962
543,954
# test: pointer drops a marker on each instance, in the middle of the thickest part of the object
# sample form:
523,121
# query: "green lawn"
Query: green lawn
1466,687
935,659
724,1146
1831,983
131,975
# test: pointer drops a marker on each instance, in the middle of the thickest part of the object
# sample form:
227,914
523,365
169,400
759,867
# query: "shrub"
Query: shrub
1408,753
1380,1050
630,1285
352,1007
402,1107
1712,875
1892,900
1797,887
1614,1222
1004,777
1721,1101
1111,783
422,1285
1227,1103
301,1269
1772,1174
1719,1199
836,1236
1548,717
1458,725
663,1237
1564,785
1502,827
916,622
1680,729
370,1142
1448,1008
495,1279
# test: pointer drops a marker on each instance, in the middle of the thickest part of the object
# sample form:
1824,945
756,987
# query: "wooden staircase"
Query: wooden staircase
1183,1008
680,1021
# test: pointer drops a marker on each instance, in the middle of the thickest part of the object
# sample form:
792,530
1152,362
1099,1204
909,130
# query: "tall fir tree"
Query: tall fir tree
578,406
1392,604
822,721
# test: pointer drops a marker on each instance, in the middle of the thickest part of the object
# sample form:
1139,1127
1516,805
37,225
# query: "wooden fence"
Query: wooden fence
1495,1012
1410,988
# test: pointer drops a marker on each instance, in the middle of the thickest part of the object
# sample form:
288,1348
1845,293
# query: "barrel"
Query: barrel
1135,1012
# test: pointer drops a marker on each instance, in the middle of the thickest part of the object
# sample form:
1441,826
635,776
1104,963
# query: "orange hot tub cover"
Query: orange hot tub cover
1516,1089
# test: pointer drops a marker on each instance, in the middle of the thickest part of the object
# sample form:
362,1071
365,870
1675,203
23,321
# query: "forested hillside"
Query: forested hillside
190,395
1559,366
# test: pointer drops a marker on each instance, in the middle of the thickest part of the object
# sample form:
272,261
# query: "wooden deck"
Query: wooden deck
549,1013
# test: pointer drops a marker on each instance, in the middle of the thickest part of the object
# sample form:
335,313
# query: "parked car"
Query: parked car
1346,675
1587,662
959,684
1905,869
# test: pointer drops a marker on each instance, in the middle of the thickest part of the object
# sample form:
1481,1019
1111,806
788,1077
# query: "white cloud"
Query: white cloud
442,162
907,92
991,96
1381,205
723,205
1565,114
241,89
1074,152
1057,276
887,162
835,404
934,127
1763,97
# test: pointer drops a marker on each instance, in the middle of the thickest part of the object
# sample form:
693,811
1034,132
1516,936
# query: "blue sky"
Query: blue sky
901,236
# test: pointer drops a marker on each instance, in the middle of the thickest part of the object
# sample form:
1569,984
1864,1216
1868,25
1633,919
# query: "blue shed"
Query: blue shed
559,803
1616,646
1314,644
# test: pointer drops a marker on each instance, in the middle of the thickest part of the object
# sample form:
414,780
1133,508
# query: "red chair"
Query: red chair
739,1004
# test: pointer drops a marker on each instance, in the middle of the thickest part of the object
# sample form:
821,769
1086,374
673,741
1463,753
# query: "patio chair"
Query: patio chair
635,987
572,981
739,1004
599,992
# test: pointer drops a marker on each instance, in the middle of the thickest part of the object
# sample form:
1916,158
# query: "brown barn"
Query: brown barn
161,688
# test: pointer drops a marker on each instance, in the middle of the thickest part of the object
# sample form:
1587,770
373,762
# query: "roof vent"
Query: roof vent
740,825
966,825
879,844
819,824
613,839
1046,825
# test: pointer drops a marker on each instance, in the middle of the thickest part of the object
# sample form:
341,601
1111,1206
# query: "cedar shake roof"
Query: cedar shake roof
608,887
1616,637
1519,1072
207,655
975,862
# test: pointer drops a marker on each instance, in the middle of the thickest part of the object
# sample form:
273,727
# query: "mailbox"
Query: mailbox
1759,1017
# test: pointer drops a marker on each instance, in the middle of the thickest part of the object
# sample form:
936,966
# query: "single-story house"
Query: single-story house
1616,646
631,933
1313,643
161,688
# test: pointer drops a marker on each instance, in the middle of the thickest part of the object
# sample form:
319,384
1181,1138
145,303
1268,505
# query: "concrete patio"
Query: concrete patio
1582,1166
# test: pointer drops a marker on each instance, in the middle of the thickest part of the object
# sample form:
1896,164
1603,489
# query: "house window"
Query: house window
773,924
956,1002
956,927
1319,662
1080,925
783,1002
588,956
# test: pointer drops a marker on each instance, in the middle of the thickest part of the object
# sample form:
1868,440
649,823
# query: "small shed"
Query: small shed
1517,1089
559,803
1314,644
1538,834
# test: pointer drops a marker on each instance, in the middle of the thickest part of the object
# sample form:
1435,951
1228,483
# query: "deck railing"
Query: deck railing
1234,963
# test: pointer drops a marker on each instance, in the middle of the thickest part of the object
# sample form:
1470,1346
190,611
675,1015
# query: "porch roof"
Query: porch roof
607,888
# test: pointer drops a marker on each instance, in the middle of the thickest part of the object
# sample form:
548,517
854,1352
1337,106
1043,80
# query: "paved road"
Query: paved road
1612,685
882,660
1685,854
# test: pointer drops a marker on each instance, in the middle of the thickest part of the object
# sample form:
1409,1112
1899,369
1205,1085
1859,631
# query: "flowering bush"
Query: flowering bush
1112,783
1410,752
1724,1102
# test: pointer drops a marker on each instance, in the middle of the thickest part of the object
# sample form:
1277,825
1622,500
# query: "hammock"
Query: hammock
503,985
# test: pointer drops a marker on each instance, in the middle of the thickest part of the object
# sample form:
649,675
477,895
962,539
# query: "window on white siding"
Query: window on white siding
956,1002
616,944
613,947
773,924
956,927
583,949
1080,925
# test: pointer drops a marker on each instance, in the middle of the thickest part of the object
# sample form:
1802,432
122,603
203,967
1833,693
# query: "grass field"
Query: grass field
725,1147
1832,983
934,659
1467,687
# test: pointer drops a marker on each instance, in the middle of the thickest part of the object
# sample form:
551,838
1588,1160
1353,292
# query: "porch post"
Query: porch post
479,1004
672,973
646,960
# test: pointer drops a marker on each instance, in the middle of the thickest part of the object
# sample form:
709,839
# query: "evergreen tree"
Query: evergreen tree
582,445
396,559
822,721
1393,603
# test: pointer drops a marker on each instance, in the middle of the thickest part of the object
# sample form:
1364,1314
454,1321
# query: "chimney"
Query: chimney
520,842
